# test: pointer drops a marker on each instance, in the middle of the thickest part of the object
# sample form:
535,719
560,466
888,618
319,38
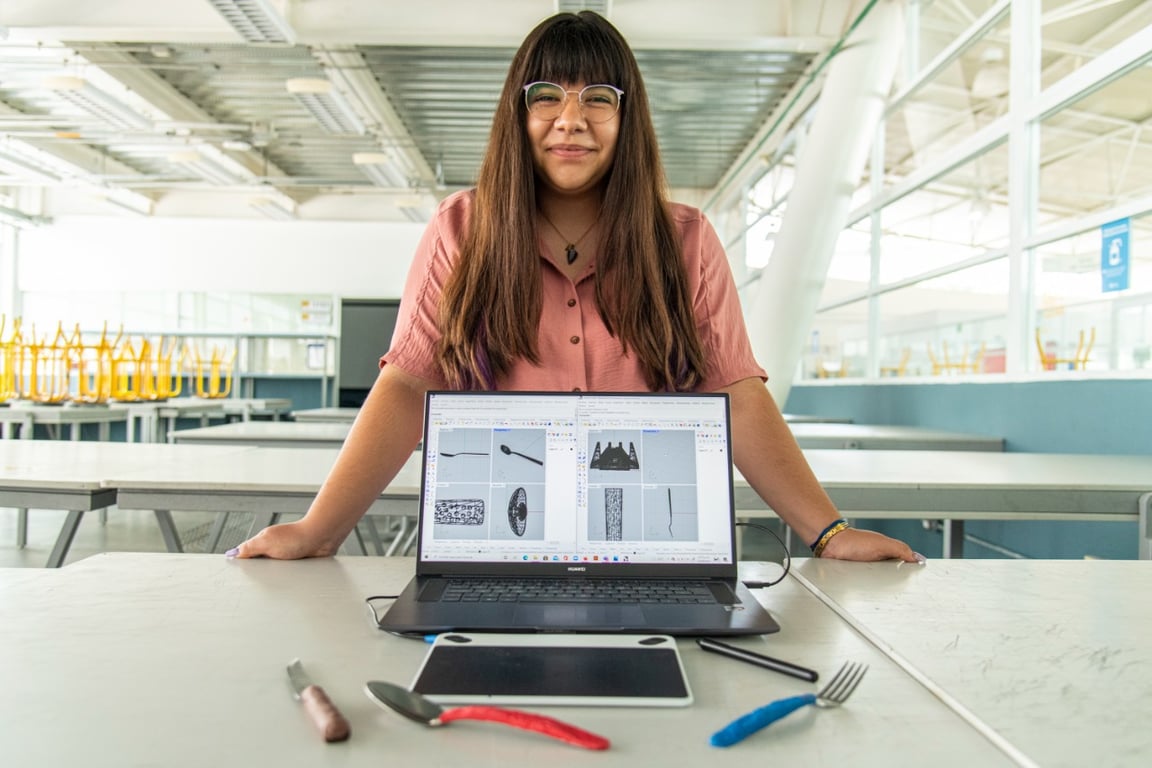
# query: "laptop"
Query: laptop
576,512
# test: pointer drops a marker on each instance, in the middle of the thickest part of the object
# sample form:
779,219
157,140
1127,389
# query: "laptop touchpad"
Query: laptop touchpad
580,616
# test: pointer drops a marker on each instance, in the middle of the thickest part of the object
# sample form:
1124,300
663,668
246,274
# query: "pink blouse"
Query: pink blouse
576,351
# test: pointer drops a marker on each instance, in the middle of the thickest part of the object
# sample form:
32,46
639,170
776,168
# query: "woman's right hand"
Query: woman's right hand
288,541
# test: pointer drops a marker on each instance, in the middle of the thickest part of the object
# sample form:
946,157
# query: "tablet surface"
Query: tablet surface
542,669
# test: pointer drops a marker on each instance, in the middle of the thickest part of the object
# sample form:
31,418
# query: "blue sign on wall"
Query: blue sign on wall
1114,261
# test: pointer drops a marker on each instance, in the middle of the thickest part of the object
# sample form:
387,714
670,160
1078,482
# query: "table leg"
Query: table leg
1145,512
216,532
168,530
64,540
373,533
408,541
262,520
398,542
953,539
22,528
354,543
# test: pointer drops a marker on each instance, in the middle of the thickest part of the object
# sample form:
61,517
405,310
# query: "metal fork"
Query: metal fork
835,693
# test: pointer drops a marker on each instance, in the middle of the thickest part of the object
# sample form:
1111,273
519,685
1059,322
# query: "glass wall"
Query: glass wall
998,232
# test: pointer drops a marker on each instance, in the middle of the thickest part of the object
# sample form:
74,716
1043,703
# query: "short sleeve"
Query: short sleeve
417,334
716,304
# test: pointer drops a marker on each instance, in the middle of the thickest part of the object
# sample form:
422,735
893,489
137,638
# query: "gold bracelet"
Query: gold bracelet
818,548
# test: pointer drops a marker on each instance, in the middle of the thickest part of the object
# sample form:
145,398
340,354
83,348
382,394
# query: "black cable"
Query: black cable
786,565
368,601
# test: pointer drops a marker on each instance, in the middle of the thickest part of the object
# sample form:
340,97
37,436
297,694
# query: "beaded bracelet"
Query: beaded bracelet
835,527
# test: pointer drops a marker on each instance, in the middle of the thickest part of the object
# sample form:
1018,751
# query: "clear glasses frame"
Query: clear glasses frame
594,111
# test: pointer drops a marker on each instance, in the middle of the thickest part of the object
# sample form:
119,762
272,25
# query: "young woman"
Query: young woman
567,268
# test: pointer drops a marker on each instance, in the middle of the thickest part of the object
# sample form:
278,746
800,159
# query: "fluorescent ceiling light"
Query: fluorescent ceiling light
330,109
205,167
130,201
25,170
20,219
257,21
379,169
82,94
273,208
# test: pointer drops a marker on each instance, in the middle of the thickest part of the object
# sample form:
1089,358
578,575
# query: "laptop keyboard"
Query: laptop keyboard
576,590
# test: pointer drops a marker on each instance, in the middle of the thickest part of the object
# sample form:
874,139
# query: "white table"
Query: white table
889,438
811,418
71,476
152,415
331,433
25,416
975,485
951,486
268,434
1053,657
178,660
337,415
268,482
247,407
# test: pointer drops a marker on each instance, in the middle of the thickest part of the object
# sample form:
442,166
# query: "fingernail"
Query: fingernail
232,552
920,559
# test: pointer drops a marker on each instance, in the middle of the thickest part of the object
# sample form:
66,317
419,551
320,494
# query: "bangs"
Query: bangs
577,52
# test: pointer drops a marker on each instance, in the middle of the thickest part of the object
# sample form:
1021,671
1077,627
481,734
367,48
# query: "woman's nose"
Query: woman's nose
570,113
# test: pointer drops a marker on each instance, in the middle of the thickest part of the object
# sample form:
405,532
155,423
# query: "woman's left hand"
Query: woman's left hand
855,544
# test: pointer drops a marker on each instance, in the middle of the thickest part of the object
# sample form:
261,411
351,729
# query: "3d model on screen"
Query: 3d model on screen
614,458
670,533
459,512
614,514
511,452
518,511
462,453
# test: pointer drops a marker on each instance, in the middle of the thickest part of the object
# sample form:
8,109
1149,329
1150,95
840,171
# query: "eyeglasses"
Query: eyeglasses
598,103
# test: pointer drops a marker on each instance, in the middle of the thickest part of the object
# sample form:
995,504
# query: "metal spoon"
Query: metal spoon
511,452
416,707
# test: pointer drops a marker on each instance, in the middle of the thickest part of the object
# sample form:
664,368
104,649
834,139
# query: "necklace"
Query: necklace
570,251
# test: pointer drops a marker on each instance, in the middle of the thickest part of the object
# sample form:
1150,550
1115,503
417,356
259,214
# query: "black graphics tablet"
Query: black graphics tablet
557,669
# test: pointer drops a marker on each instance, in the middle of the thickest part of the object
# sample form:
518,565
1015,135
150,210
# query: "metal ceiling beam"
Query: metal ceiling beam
350,73
138,78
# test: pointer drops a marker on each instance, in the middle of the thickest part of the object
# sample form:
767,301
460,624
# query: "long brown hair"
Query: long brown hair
490,309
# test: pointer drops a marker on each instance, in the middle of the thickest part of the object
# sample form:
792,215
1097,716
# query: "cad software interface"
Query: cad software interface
632,478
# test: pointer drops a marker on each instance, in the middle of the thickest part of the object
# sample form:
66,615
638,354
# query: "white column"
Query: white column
1023,181
828,169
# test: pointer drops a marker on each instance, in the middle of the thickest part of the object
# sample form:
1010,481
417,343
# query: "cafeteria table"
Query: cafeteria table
808,435
25,416
951,486
72,476
179,660
268,434
337,415
1051,657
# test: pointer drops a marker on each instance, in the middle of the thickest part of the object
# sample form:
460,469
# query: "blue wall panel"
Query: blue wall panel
1085,416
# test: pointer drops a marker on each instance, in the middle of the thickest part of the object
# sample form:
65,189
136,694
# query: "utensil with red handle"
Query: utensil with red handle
416,707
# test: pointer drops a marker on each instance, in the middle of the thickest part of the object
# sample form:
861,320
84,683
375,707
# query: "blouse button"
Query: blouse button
571,302
575,339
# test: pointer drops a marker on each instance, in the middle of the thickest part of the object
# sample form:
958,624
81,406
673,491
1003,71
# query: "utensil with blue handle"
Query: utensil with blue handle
835,693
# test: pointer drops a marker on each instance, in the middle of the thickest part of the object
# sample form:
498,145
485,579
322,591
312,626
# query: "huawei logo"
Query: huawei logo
577,568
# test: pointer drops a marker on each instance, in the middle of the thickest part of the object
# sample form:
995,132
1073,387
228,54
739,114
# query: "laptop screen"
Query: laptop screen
590,478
